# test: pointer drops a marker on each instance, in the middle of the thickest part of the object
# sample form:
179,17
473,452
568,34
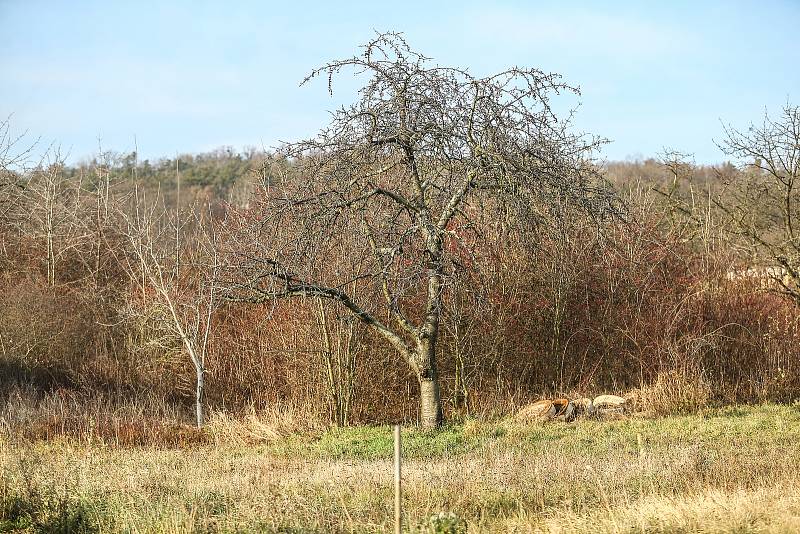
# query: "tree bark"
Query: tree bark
199,395
430,402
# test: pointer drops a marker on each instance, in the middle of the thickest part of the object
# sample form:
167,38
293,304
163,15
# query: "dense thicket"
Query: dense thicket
646,304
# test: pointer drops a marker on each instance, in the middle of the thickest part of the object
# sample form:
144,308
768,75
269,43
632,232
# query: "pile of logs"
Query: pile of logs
601,407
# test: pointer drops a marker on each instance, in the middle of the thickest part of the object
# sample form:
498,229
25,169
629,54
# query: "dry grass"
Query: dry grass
143,420
273,424
766,509
728,470
97,418
673,392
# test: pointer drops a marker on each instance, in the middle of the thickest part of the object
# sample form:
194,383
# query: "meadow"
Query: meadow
732,469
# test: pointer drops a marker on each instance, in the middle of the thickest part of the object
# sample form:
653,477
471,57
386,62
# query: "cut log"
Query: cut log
610,406
609,401
543,410
584,407
568,414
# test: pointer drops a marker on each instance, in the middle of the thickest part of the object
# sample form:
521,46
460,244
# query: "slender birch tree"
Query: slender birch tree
174,269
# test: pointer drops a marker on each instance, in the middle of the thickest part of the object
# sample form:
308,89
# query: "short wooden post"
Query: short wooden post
398,520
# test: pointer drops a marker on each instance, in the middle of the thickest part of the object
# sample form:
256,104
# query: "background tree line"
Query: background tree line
645,304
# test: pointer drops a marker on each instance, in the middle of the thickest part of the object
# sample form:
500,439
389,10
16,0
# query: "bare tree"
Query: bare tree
175,271
392,195
13,159
14,156
54,212
761,204
68,217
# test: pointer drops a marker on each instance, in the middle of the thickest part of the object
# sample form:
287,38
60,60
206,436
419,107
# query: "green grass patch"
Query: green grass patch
768,425
376,442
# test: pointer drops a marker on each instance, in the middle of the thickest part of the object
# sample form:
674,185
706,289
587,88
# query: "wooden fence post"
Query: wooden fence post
398,520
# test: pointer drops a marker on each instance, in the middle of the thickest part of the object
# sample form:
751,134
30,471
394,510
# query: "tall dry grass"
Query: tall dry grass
722,471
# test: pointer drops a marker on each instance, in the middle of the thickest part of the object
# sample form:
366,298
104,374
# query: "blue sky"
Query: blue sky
192,76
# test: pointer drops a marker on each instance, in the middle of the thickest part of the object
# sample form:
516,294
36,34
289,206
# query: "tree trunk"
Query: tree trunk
430,409
430,402
199,395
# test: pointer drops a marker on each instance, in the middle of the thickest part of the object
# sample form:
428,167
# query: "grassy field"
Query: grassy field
726,470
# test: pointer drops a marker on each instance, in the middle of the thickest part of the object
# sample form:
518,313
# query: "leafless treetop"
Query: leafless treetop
399,187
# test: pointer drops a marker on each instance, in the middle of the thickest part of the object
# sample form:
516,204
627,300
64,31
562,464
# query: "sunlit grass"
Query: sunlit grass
733,469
